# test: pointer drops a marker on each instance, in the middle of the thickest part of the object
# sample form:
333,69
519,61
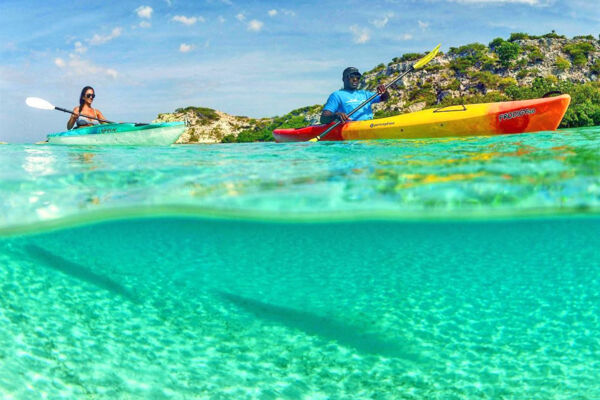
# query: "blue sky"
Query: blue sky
254,58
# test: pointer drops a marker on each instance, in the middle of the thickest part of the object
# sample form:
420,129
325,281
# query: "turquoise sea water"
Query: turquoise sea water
418,269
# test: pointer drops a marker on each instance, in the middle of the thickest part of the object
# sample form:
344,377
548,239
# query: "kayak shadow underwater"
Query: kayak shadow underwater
78,271
325,328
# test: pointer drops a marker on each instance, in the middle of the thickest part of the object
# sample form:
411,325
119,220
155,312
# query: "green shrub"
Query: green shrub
203,113
477,98
521,62
410,57
488,79
460,65
476,50
385,113
495,43
553,35
433,67
506,83
579,52
534,53
562,64
467,56
595,68
507,52
424,93
518,36
586,37
453,85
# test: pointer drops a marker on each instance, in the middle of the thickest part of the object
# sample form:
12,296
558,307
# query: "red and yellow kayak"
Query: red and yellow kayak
500,118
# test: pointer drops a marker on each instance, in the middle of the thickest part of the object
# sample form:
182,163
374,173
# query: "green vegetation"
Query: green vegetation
523,36
263,129
421,93
585,99
203,113
579,52
507,51
408,57
468,56
488,79
518,36
586,37
495,43
534,53
562,64
595,68
453,85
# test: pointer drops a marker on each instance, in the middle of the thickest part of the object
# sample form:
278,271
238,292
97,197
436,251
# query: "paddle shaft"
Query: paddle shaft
81,115
364,103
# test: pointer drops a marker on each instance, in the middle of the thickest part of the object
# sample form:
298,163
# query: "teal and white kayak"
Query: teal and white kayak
160,134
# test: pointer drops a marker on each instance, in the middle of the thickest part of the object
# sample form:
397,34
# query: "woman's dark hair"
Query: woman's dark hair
81,101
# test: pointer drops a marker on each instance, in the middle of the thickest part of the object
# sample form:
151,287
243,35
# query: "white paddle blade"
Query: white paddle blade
36,102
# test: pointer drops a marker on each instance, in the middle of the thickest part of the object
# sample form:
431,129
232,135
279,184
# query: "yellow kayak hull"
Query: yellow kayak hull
535,115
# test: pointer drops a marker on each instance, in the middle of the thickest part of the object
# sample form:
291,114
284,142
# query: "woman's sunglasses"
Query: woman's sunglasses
90,96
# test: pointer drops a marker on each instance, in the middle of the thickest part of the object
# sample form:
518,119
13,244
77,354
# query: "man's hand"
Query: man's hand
383,93
341,116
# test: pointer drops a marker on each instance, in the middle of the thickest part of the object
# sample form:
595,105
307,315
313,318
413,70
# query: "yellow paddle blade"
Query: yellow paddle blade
421,63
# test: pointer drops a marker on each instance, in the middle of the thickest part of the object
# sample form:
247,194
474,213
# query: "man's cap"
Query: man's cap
350,71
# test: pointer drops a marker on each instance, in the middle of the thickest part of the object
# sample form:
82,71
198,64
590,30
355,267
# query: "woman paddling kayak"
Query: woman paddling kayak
84,110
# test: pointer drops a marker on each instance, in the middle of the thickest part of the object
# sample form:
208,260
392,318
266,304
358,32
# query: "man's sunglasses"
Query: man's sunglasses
90,96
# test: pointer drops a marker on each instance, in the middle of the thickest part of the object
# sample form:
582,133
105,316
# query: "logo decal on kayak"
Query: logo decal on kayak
108,130
516,114
381,124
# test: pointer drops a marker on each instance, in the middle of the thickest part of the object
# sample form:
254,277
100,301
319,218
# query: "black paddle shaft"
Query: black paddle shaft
367,101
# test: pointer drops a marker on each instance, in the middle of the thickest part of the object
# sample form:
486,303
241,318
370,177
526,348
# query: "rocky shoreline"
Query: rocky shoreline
521,66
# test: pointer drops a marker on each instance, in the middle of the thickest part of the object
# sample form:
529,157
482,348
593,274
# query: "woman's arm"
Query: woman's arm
73,118
99,115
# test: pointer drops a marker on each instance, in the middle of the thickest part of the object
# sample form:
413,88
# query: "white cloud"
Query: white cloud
406,36
272,13
80,48
240,17
361,35
144,12
423,25
221,19
255,25
187,20
169,2
76,66
145,24
99,39
288,12
184,47
381,22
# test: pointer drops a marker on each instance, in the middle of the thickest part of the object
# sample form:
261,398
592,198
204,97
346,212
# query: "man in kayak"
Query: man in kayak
341,102
85,110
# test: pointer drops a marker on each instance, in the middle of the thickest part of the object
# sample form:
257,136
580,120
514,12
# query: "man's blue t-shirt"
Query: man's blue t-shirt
345,101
